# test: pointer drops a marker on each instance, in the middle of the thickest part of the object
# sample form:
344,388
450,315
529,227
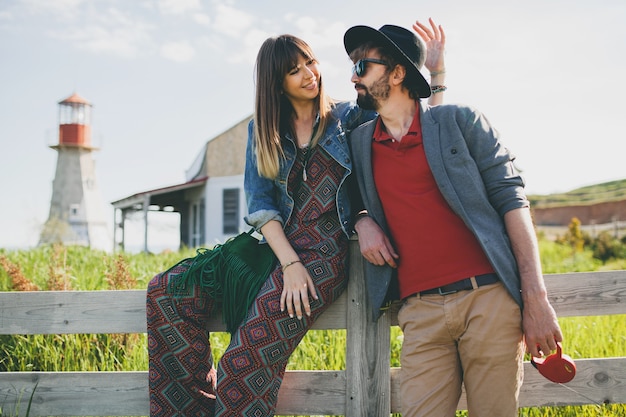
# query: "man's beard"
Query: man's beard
379,91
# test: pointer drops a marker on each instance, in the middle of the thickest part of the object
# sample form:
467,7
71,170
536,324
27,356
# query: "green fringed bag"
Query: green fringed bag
232,272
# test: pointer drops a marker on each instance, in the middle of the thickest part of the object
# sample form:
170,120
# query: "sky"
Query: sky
165,76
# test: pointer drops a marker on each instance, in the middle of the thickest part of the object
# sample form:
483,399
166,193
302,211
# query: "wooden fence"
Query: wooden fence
367,387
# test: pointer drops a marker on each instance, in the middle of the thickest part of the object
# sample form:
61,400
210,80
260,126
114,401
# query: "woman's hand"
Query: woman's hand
297,286
211,378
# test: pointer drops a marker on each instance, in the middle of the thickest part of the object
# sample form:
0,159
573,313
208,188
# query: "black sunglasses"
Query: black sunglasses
360,67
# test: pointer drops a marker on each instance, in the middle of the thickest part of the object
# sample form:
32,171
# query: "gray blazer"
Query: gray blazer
476,176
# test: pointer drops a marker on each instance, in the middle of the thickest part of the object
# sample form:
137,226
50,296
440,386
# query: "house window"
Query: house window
74,210
230,201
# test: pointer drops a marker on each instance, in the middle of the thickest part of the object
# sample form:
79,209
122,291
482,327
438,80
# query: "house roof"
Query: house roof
221,156
165,196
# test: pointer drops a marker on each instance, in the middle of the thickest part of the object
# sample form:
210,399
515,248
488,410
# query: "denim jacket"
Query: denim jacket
269,199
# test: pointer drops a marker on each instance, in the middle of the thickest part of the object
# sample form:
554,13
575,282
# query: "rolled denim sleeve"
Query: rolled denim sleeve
261,193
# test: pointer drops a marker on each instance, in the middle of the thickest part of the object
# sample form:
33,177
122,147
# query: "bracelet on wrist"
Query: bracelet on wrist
438,89
432,74
288,264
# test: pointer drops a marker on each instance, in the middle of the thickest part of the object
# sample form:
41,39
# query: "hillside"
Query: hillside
593,194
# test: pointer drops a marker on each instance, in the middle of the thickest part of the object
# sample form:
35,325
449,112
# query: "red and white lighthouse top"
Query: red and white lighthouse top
75,98
75,122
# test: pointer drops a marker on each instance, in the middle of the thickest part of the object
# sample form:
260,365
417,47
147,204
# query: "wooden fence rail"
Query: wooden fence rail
367,387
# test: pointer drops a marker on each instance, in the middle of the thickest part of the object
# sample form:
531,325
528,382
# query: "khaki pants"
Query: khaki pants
472,337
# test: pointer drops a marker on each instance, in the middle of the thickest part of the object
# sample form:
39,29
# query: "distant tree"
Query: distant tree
575,236
606,247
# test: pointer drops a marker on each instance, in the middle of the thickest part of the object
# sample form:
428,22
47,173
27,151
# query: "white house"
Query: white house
211,201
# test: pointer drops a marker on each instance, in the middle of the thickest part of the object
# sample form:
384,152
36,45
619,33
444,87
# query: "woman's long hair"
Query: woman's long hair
273,113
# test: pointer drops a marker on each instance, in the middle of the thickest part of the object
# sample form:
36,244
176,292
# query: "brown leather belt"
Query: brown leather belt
463,285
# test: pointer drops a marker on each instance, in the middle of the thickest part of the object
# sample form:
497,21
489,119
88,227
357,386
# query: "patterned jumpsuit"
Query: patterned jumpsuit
252,368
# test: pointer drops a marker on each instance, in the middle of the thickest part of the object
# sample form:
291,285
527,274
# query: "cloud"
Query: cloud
201,19
178,51
233,35
319,33
6,15
111,31
232,22
178,7
122,42
247,52
64,9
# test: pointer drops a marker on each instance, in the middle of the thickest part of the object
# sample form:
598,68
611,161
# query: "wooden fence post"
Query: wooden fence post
368,393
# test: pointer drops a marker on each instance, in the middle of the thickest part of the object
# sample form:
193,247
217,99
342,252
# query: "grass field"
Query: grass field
76,268
599,193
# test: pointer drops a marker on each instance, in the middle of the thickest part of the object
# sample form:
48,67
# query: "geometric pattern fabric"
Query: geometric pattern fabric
251,370
179,349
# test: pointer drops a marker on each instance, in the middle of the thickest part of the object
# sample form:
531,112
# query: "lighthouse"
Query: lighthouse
76,209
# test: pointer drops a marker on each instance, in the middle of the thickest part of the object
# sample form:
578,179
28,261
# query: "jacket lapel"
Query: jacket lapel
362,144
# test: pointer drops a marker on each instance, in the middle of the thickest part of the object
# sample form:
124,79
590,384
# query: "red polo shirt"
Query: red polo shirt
435,246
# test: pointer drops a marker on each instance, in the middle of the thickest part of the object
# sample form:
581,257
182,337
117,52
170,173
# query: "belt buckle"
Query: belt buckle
446,292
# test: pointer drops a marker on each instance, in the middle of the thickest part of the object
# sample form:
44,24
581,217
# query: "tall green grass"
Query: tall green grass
75,268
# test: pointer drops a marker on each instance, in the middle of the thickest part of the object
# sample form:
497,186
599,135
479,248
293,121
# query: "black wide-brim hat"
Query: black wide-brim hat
397,38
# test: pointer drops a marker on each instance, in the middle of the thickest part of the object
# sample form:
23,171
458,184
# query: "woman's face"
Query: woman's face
302,82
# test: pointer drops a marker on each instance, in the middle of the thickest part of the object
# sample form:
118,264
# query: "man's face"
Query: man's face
371,82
